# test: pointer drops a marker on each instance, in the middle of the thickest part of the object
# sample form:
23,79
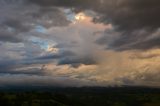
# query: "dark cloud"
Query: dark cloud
69,58
77,61
29,81
16,24
11,66
133,40
30,29
62,54
66,3
8,34
18,18
5,36
135,21
146,79
120,12
29,65
5,65
33,71
141,56
128,17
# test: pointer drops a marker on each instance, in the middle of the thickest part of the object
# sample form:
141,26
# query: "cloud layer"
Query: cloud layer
87,43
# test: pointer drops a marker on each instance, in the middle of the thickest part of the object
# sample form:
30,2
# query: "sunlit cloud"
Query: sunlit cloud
52,49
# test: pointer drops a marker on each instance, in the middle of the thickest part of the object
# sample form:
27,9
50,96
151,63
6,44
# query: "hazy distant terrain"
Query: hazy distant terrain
82,97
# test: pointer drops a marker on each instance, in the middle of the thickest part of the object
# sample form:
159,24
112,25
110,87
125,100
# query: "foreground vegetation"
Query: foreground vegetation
82,97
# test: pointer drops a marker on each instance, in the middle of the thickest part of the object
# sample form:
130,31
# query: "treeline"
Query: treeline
86,96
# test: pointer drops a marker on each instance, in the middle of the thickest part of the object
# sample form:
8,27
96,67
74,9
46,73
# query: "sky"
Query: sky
75,43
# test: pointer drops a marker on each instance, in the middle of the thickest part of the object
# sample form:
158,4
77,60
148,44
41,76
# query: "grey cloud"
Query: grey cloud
11,36
19,18
128,17
66,3
11,66
132,10
134,41
57,55
7,80
142,79
63,57
33,71
6,64
77,61
135,26
16,25
5,36
135,21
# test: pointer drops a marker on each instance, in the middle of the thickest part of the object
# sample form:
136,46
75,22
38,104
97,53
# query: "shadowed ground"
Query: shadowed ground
96,96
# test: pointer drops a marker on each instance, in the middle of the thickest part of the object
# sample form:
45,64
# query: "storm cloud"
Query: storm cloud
90,43
135,21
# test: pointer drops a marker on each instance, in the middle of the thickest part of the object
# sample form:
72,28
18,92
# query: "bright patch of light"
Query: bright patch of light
80,17
73,17
52,49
